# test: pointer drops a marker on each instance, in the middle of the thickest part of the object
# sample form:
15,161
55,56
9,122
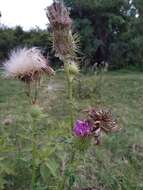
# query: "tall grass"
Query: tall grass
117,164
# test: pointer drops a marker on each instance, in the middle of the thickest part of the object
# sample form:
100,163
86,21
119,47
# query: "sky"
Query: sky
26,13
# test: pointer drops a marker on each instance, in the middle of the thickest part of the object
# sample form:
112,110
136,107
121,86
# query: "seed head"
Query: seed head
61,24
102,118
27,64
58,16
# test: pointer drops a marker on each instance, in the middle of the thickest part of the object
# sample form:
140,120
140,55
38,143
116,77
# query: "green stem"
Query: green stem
70,96
34,148
71,103
62,184
36,85
28,92
70,93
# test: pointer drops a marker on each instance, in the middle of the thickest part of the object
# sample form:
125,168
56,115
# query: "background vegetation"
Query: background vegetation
115,165
109,30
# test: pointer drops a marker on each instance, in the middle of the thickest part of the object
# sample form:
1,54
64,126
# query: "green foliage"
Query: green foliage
11,38
117,164
110,30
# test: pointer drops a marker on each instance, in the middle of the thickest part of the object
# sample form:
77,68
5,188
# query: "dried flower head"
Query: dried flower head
61,23
58,15
102,121
102,118
27,64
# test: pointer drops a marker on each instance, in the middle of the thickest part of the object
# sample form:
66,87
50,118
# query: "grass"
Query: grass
116,165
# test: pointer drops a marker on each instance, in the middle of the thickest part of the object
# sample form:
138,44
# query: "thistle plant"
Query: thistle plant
28,66
61,23
64,44
96,120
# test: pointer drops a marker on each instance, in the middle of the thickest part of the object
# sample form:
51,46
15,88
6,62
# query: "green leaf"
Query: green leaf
52,165
44,171
71,180
2,183
6,169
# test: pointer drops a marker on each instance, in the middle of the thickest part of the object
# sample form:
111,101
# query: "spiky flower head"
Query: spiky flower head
27,64
102,121
58,15
102,118
82,128
95,122
61,23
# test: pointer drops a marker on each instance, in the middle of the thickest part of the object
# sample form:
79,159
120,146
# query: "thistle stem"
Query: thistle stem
62,185
70,97
34,147
70,93
36,92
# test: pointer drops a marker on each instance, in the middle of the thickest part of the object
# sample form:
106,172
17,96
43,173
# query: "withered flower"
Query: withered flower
94,123
27,65
58,15
102,121
61,23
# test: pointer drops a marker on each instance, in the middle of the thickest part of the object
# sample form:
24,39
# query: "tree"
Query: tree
105,29
11,38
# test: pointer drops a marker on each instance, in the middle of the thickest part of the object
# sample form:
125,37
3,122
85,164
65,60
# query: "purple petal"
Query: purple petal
82,128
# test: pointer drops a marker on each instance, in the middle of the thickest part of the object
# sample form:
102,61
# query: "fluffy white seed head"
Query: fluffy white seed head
24,61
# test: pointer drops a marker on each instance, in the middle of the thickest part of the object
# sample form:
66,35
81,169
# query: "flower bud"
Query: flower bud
36,112
73,68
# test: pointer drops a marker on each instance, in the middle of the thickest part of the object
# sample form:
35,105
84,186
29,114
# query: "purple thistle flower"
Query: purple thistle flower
82,128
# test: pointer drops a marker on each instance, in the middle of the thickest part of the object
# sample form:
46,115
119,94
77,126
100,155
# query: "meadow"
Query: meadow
117,164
